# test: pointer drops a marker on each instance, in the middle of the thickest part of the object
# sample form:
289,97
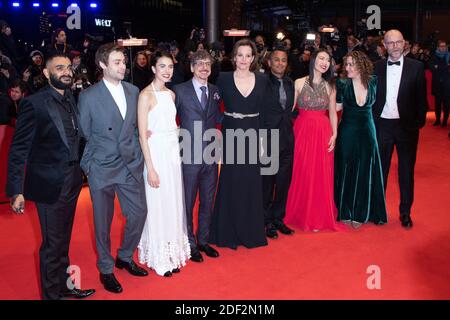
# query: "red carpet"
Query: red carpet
414,264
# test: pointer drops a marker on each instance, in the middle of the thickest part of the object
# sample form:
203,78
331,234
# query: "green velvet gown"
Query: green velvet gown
358,179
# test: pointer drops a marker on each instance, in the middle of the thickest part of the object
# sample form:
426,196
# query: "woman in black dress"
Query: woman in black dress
238,213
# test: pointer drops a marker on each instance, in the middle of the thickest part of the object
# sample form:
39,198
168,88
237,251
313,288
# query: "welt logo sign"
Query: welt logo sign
103,22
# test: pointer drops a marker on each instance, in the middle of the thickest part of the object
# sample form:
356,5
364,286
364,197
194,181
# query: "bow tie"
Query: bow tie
390,63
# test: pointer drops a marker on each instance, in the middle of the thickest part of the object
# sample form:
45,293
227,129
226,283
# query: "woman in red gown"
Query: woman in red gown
310,204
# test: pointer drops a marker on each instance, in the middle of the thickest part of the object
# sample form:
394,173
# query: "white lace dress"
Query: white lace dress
164,243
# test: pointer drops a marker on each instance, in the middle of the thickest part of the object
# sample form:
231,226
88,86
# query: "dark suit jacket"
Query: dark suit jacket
274,116
412,103
439,70
40,143
189,110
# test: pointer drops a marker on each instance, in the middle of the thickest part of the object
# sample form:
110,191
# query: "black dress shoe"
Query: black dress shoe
208,250
406,221
284,229
131,267
168,274
271,232
78,293
196,256
110,283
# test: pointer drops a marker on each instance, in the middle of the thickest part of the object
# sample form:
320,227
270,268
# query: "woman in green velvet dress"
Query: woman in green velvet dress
358,179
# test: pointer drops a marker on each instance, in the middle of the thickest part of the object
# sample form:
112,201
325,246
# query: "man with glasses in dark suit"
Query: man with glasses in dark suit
399,112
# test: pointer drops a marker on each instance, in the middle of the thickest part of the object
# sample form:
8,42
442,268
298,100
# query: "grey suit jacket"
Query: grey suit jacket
112,149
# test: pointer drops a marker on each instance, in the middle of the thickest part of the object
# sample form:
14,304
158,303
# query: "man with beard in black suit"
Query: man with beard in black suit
46,142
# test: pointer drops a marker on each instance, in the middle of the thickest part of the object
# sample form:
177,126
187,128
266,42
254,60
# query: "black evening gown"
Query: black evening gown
238,217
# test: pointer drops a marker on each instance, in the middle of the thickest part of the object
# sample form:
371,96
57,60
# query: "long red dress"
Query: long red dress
310,205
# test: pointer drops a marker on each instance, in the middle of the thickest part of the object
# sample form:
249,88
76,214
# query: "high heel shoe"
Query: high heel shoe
176,270
168,274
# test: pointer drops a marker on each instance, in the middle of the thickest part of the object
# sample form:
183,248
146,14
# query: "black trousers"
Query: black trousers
440,100
391,134
276,187
56,222
199,179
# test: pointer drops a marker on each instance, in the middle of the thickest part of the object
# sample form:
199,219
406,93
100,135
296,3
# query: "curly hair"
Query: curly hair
363,65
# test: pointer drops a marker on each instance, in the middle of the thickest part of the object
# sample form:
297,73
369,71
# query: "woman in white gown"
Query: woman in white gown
164,245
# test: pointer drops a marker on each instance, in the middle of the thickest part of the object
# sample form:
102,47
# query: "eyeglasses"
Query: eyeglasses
398,43
203,63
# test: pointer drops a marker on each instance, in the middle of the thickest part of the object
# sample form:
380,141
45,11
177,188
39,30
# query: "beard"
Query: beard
58,84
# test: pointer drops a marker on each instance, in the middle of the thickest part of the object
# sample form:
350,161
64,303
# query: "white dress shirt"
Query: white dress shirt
198,91
118,95
393,77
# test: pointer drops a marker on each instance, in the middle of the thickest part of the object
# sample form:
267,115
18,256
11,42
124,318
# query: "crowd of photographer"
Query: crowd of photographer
23,71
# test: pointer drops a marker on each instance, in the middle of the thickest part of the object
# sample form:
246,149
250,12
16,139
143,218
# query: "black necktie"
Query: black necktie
204,98
283,97
390,63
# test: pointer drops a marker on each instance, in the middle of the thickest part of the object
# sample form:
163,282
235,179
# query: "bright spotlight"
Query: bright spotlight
311,36
280,36
93,5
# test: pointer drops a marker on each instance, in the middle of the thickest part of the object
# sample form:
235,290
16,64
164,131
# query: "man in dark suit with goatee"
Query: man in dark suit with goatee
278,116
399,112
46,142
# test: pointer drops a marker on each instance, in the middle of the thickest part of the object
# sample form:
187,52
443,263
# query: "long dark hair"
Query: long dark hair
329,75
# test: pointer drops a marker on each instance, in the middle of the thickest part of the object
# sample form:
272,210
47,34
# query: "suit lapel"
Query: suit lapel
109,101
56,117
195,99
405,75
210,100
130,105
383,84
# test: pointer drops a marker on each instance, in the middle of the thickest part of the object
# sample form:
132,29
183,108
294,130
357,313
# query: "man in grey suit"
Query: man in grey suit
197,103
113,162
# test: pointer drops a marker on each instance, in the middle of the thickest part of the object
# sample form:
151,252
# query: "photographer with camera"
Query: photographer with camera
263,54
80,74
33,74
7,73
78,67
